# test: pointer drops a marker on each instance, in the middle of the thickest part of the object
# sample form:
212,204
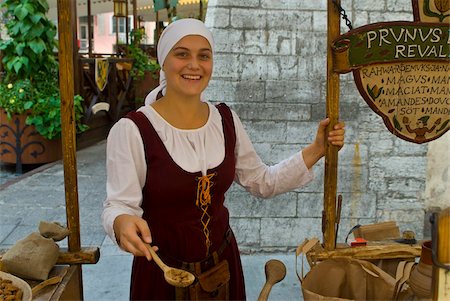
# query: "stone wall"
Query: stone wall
270,67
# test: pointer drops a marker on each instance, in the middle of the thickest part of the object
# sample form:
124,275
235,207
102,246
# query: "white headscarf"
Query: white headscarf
170,36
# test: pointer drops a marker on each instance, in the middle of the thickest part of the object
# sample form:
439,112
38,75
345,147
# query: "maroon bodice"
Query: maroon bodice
169,203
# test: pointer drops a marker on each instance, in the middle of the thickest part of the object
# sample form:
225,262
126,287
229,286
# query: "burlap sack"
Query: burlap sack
53,230
32,257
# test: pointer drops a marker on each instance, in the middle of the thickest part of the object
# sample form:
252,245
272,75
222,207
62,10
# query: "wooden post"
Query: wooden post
127,24
135,16
440,283
90,33
66,24
331,152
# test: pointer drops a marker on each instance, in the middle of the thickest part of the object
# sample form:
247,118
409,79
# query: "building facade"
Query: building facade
270,67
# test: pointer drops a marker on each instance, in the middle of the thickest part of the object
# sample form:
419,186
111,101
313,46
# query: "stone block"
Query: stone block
253,67
288,232
270,132
232,3
228,64
279,152
271,111
243,204
246,231
399,5
245,18
291,20
406,185
283,68
293,5
221,91
301,132
368,5
300,92
406,148
250,91
360,19
228,41
310,205
378,16
320,21
217,17
401,166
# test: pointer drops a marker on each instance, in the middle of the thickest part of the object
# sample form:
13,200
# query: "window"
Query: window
121,24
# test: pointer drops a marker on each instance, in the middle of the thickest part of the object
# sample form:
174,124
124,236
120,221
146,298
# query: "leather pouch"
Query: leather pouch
212,284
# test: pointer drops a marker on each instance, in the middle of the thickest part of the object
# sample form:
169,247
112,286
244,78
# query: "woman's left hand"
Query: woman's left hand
313,152
336,135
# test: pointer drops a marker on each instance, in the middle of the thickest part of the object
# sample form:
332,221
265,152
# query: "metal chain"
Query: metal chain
343,14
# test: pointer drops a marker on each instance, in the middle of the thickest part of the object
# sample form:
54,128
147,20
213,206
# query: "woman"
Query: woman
170,164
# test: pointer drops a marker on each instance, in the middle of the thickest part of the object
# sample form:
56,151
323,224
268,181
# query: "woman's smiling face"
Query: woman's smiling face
188,66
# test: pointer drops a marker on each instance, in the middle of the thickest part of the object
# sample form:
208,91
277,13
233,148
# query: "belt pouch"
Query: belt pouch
212,284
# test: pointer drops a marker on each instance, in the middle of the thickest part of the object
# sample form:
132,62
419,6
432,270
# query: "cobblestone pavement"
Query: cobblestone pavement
39,195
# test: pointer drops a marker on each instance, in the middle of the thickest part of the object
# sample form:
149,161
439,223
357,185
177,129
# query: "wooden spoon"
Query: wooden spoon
173,276
40,286
275,272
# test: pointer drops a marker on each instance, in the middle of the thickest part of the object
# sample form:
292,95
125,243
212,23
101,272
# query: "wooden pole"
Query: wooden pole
90,34
135,16
331,152
66,24
441,285
127,24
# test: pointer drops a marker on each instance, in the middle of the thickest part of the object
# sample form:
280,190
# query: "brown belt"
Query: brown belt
204,264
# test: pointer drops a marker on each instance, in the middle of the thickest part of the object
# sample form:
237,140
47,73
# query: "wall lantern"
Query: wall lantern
120,8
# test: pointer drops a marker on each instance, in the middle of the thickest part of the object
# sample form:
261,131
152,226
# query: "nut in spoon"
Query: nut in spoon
173,276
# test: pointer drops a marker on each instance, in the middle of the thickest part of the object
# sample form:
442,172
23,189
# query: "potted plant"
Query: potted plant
145,68
29,88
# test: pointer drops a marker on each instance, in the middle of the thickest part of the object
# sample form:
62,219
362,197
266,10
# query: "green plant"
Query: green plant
142,62
30,80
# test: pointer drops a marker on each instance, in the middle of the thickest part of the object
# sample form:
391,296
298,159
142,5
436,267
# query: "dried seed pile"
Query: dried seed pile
180,276
9,291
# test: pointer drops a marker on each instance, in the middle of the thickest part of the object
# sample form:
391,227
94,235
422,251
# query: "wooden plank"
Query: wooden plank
88,255
72,286
84,256
331,152
370,252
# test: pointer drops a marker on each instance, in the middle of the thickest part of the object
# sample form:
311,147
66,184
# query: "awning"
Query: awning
185,8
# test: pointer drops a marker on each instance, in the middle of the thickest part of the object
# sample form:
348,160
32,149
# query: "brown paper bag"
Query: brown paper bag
347,279
351,279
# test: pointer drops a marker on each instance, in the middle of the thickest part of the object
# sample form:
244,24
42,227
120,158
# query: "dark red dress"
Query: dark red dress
169,204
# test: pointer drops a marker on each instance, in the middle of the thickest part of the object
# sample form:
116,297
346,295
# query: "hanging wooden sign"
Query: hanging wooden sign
402,70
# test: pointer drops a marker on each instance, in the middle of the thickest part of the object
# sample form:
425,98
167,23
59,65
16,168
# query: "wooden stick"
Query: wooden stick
65,27
67,30
331,152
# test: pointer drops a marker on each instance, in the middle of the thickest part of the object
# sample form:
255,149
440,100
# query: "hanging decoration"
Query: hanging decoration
120,8
402,70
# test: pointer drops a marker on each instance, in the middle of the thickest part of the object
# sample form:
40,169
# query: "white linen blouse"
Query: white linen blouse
193,150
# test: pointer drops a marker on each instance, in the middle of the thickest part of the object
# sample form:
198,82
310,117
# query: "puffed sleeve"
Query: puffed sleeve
262,180
126,171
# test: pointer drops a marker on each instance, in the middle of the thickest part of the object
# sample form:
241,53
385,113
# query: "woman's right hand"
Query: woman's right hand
132,232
